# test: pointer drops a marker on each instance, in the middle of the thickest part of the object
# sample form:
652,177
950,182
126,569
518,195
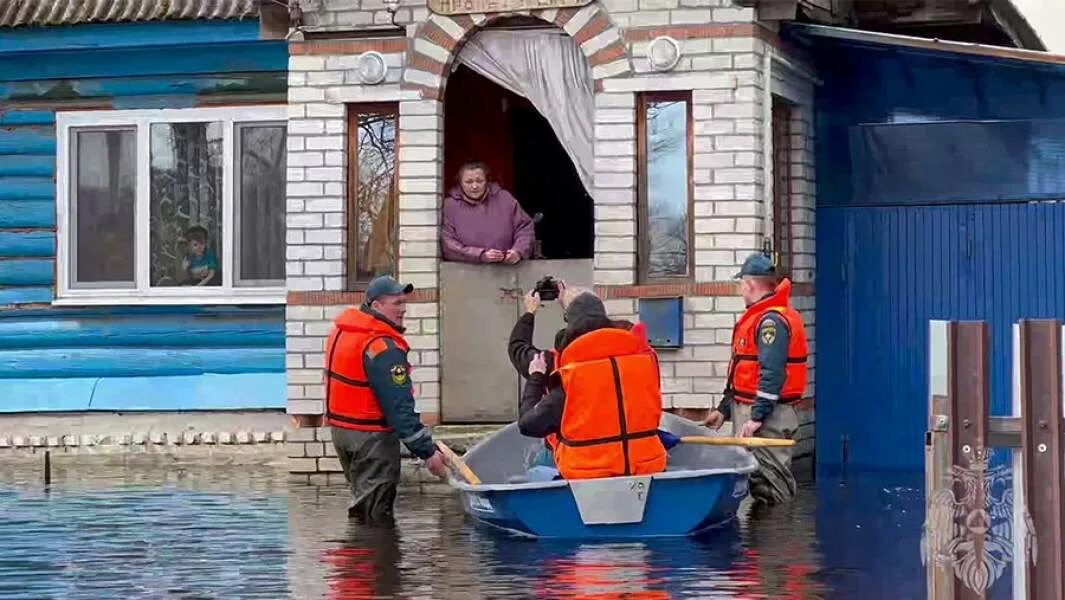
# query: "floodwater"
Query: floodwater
248,533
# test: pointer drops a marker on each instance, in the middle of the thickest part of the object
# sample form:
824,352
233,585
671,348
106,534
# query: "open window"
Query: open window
485,122
171,206
664,193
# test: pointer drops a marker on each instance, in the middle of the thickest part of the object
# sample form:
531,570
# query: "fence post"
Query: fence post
970,385
938,449
957,438
1042,427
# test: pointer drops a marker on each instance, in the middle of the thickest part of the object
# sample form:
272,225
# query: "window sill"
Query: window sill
131,297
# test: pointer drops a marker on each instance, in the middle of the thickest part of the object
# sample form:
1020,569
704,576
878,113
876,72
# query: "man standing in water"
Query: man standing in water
369,400
766,375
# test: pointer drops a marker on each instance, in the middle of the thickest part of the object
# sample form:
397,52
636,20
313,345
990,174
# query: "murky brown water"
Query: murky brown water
247,533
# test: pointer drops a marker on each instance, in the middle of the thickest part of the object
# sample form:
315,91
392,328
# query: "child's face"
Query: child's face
197,248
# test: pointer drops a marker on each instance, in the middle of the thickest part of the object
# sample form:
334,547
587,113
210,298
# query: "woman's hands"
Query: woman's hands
510,257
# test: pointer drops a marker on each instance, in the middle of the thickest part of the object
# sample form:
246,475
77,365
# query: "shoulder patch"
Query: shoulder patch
767,331
376,347
399,374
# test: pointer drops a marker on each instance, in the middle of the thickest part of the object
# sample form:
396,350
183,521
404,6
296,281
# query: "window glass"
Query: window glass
261,205
104,195
186,204
374,195
666,188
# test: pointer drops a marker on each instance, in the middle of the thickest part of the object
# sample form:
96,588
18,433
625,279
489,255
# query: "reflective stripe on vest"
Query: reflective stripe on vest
744,371
602,436
349,401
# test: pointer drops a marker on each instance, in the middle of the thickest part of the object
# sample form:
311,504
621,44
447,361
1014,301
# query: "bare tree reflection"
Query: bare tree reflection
376,194
667,187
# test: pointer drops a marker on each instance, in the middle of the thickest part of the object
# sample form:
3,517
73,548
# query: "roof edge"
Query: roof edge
935,44
51,13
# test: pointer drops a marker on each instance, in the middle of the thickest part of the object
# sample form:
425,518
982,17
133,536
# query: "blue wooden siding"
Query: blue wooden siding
129,359
121,358
939,197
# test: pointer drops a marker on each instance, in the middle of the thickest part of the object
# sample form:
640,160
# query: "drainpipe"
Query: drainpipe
767,147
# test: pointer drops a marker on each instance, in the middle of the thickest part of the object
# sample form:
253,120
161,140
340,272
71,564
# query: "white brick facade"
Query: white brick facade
722,65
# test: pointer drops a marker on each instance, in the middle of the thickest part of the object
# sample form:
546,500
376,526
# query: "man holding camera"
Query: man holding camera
767,374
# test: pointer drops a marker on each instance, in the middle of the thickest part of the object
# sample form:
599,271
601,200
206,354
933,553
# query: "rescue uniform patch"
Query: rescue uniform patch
399,374
768,331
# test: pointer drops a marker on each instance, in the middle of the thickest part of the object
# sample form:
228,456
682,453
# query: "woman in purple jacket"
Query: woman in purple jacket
483,223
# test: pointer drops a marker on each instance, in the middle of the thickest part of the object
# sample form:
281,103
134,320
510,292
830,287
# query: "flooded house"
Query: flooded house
306,146
657,143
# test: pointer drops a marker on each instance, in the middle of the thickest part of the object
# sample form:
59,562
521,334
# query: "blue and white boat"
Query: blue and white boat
701,488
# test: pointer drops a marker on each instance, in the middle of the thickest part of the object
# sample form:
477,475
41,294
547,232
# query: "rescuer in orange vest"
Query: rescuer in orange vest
369,400
603,419
766,375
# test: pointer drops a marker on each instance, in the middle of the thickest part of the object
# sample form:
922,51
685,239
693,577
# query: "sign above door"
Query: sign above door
460,7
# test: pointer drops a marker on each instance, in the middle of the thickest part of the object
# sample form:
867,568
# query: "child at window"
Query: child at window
200,263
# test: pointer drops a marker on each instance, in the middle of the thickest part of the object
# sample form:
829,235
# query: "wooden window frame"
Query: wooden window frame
353,111
643,240
783,240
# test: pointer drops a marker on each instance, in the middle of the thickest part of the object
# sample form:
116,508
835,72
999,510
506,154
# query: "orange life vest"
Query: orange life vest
743,368
349,400
612,409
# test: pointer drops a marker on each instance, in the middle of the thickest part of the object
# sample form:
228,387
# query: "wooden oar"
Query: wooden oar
749,442
458,464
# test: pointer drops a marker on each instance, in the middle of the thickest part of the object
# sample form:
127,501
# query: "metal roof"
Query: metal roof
890,39
30,13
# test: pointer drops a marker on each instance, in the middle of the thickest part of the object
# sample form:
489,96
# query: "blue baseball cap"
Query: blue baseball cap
385,285
758,265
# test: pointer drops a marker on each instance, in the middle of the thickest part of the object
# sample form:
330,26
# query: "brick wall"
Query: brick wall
722,66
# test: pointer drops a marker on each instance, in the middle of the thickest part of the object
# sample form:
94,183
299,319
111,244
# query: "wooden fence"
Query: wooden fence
981,516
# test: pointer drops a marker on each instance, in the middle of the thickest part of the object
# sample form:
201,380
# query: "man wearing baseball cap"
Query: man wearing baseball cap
369,400
766,375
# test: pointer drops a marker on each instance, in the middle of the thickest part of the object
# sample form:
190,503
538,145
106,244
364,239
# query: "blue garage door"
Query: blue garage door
883,273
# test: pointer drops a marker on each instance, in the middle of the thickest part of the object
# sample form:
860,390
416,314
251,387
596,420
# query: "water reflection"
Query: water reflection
248,534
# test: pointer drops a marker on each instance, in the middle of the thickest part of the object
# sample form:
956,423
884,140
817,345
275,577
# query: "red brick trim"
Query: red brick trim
687,32
607,292
694,290
351,298
564,15
430,30
596,25
466,22
421,62
614,51
320,47
435,34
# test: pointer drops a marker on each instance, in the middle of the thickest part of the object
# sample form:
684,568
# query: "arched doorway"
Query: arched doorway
499,108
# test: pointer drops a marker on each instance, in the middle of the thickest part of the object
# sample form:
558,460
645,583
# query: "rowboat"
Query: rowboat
701,489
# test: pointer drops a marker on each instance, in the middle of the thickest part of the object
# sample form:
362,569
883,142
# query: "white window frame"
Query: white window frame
141,120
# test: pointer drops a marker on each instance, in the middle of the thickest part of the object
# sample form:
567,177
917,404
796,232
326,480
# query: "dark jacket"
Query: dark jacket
388,373
540,412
